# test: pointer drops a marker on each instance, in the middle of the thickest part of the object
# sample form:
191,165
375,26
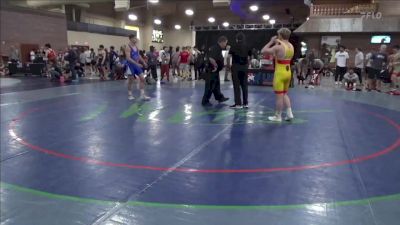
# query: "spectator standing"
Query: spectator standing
198,63
368,69
341,64
359,64
227,63
175,62
113,59
165,60
379,64
50,54
88,61
395,68
170,51
14,55
93,59
152,62
32,55
184,63
72,58
101,60
82,60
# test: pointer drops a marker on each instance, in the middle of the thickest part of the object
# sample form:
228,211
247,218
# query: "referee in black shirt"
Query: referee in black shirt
240,63
216,61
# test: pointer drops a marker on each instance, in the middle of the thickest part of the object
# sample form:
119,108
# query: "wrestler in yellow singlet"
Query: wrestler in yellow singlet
283,73
280,47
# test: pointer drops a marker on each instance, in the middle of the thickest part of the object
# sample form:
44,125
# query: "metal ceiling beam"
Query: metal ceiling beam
243,27
42,3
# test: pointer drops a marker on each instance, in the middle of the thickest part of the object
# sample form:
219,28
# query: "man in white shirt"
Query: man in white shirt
341,64
368,69
88,61
359,64
227,59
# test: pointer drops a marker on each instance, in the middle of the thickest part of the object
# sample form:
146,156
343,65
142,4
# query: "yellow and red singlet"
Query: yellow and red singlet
283,73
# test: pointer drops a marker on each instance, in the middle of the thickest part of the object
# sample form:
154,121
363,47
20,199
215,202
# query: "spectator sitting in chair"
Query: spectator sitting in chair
350,80
3,68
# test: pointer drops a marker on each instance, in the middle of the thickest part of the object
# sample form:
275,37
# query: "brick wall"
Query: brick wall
26,26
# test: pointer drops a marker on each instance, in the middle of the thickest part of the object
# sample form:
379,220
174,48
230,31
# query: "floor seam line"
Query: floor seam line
194,152
357,173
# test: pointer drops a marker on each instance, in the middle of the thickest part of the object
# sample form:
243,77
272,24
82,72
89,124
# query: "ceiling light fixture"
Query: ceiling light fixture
211,19
266,17
272,22
308,18
178,27
132,17
153,1
157,21
225,24
189,12
253,8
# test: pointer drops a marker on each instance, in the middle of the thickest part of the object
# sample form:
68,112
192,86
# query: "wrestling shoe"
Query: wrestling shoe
246,106
235,106
289,119
145,98
274,119
130,97
206,104
224,99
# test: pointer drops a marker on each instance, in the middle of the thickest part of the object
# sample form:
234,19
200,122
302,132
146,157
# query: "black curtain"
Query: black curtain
255,38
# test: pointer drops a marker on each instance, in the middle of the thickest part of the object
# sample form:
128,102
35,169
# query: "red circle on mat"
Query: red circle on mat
379,153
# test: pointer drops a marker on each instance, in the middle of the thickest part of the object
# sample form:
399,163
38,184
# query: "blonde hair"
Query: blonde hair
284,33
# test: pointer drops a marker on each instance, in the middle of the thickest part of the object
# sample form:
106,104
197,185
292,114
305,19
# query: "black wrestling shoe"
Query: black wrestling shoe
206,104
224,99
246,106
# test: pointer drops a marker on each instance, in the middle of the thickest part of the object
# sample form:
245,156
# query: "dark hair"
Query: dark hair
164,47
151,48
341,46
101,46
177,48
222,39
359,49
132,36
112,47
91,49
47,45
240,37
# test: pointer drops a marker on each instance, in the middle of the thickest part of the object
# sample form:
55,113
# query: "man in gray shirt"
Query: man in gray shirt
14,54
359,63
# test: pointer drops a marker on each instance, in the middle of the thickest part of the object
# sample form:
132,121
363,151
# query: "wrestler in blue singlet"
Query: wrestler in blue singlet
133,69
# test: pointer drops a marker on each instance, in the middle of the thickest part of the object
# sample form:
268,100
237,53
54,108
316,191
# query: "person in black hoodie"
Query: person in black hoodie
240,63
